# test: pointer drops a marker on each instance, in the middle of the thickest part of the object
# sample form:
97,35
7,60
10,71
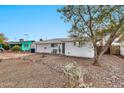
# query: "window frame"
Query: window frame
26,45
78,43
54,45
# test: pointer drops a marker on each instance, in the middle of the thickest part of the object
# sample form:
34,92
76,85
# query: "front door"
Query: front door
63,48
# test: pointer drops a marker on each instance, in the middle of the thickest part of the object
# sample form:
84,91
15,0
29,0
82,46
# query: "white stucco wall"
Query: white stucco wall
122,48
33,45
70,50
84,51
41,48
46,48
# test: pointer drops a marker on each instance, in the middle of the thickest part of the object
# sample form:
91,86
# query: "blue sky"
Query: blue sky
36,21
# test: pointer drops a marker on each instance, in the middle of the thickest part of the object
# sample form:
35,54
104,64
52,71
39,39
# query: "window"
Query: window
53,45
78,44
26,45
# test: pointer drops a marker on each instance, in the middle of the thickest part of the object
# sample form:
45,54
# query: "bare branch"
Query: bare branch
90,24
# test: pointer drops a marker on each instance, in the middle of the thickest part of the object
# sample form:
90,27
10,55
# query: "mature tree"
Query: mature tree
93,23
2,38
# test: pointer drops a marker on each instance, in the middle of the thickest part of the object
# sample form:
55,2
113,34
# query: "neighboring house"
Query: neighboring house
113,49
64,46
121,41
122,48
25,45
12,44
1,46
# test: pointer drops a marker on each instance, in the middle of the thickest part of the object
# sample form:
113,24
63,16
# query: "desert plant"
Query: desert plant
75,76
16,48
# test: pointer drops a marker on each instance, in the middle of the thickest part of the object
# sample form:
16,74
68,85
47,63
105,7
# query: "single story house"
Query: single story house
12,44
64,46
25,45
72,47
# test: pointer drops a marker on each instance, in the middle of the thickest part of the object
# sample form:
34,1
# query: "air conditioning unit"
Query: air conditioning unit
54,51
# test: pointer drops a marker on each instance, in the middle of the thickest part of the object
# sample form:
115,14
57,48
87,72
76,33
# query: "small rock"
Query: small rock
115,86
109,82
114,77
122,83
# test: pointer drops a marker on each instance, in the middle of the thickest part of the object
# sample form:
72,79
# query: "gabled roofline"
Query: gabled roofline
57,40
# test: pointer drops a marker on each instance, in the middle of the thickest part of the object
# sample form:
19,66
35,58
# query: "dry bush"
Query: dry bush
75,76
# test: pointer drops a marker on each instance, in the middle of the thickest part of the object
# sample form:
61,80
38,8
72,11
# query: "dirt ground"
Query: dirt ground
5,55
37,71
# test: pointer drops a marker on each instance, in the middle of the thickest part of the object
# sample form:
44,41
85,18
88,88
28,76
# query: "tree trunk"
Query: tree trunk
98,56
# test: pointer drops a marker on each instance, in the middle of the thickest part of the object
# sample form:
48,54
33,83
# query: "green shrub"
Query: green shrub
6,46
16,48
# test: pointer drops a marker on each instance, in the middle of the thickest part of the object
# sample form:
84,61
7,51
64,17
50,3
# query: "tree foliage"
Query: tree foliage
94,23
2,38
6,46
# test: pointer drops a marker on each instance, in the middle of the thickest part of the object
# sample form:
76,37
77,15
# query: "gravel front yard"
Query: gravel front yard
37,71
12,55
